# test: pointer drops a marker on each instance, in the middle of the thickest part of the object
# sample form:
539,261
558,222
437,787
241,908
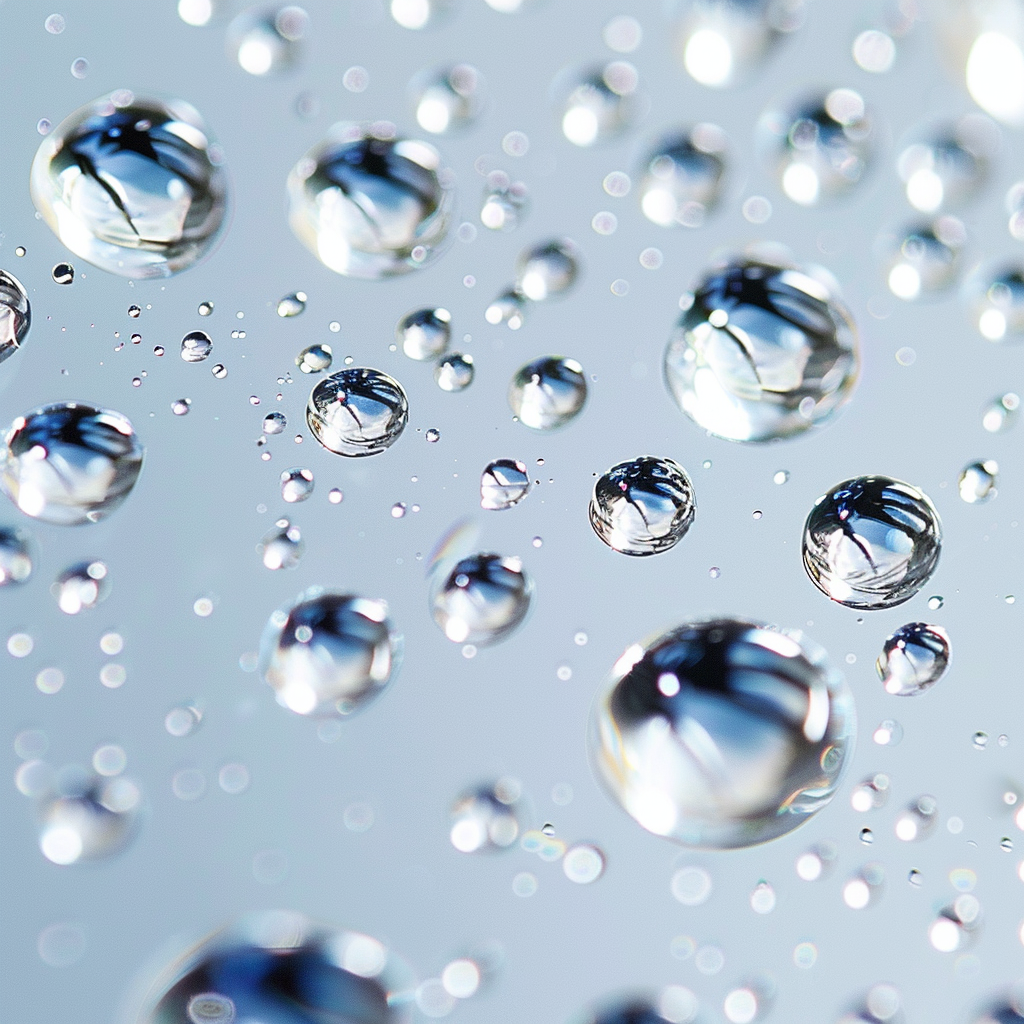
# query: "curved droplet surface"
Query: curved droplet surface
370,206
15,314
675,1004
81,587
485,819
722,733
70,463
925,258
297,484
267,41
913,659
134,186
977,481
503,483
599,104
764,351
998,300
15,556
546,269
949,164
281,547
871,542
92,820
357,412
447,99
508,308
196,346
454,372
424,333
505,202
683,176
329,654
314,358
548,392
482,599
643,507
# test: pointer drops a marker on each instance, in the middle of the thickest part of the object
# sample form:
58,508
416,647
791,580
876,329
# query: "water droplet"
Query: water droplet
872,793
297,484
70,463
1001,413
281,547
357,412
485,819
482,599
433,435
335,496
682,181
424,333
15,556
773,767
547,269
917,820
980,740
15,315
329,654
762,899
599,104
548,393
130,186
398,510
913,659
79,67
503,483
183,720
867,837
935,603
274,423
643,507
888,733
205,308
583,863
926,258
871,542
369,206
181,406
356,79
48,680
196,346
63,273
20,645
314,358
864,888
805,955
454,372
949,165
55,24
504,203
764,351
94,819
874,51
82,586
506,309
265,41
219,370
292,305
977,481
447,99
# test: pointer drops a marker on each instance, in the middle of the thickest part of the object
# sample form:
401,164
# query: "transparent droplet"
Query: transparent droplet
314,358
949,165
678,744
183,720
998,301
888,733
55,24
1001,413
762,899
643,507
417,14
763,352
926,258
15,556
682,180
546,269
297,484
79,67
482,599
132,185
454,372
447,99
913,659
583,863
205,308
864,888
267,41
485,819
282,547
63,273
329,654
874,51
274,422
548,392
917,820
219,370
599,104
504,202
506,309
503,483
15,314
292,305
94,819
872,793
196,346
357,412
424,334
82,586
369,206
70,463
871,542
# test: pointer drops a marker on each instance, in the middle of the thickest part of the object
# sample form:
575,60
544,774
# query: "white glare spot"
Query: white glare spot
740,1006
874,51
995,77
708,57
461,979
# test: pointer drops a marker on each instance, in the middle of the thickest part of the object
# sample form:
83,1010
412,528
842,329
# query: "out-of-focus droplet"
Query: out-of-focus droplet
197,12
583,864
482,599
977,481
133,186
917,820
599,104
15,556
676,742
871,542
357,412
424,334
764,351
998,301
872,793
503,483
370,205
183,720
91,821
15,314
547,269
292,305
682,180
881,1004
447,99
417,14
314,358
454,372
949,164
762,899
281,547
913,659
874,51
506,309
329,654
548,392
265,41
888,733
1001,413
864,888
297,484
274,422
643,507
196,346
504,202
926,258
82,586
485,819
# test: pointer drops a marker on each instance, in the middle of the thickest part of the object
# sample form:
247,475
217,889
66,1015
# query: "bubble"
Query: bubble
599,104
874,51
357,412
281,547
871,542
547,269
504,204
329,654
482,599
15,315
548,393
503,483
583,863
913,659
926,258
274,423
314,358
1001,413
267,40
485,819
506,309
15,556
297,484
370,206
82,586
196,346
682,180
917,820
643,507
691,886
91,821
183,720
950,165
424,333
764,352
454,372
70,463
703,764
872,793
132,185
447,99
292,305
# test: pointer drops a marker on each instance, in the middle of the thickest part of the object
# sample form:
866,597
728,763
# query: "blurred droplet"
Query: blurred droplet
683,175
977,481
447,99
424,334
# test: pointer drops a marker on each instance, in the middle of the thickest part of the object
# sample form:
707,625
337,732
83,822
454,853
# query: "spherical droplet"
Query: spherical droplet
871,542
424,333
314,358
680,746
874,51
482,599
485,819
15,314
281,547
548,392
134,186
357,412
925,258
55,24
682,181
267,40
599,104
82,586
292,305
15,556
196,346
454,372
1001,413
274,422
503,483
949,164
998,300
63,273
917,820
913,659
546,269
504,203
447,99
329,654
183,720
94,820
297,484
763,352
872,793
583,863
508,309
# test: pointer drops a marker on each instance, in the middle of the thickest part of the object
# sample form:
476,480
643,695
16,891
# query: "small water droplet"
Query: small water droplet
583,863
196,346
548,392
482,599
357,412
282,547
547,269
292,305
297,484
913,659
683,178
315,358
424,334
503,483
447,99
63,273
977,481
274,423
598,104
454,372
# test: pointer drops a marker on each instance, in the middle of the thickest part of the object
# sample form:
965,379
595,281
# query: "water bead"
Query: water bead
546,269
70,463
281,547
417,14
599,104
548,393
454,372
92,820
297,484
977,481
503,483
675,1004
871,542
369,206
81,586
329,654
507,308
447,99
196,346
998,302
274,423
485,819
134,186
642,507
314,358
1001,413
424,334
15,314
925,258
917,820
482,599
722,733
219,370
504,203
682,181
357,412
292,305
267,40
913,659
15,556
764,351
433,435
949,165
583,864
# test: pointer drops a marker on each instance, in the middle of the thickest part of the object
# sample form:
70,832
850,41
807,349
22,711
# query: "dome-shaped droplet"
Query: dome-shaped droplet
913,659
482,599
763,352
1001,413
357,412
504,203
821,148
546,269
267,41
871,542
447,99
70,463
292,305
925,258
297,484
722,733
368,206
949,163
15,314
329,654
196,346
599,104
274,422
977,481
314,358
15,556
424,333
682,180
90,821
454,372
998,300
281,968
503,483
485,819
80,587
281,547
548,392
134,186
507,308
642,507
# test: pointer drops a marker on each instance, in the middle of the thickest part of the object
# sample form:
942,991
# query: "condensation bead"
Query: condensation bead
926,258
267,41
357,412
424,334
314,358
80,587
949,165
599,104
281,547
447,99
503,483
454,372
977,481
482,599
15,314
913,659
504,203
682,180
546,269
508,309
548,392
91,821
998,301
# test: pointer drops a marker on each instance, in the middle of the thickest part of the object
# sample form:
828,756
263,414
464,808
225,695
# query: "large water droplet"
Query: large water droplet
134,186
424,333
599,104
926,258
949,164
70,463
447,99
682,181
92,820
548,392
913,659
370,206
265,41
977,481
485,818
15,556
871,542
482,599
281,547
998,300
643,507
15,314
763,352
503,483
329,654
357,412
722,733
546,269
80,587
454,372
